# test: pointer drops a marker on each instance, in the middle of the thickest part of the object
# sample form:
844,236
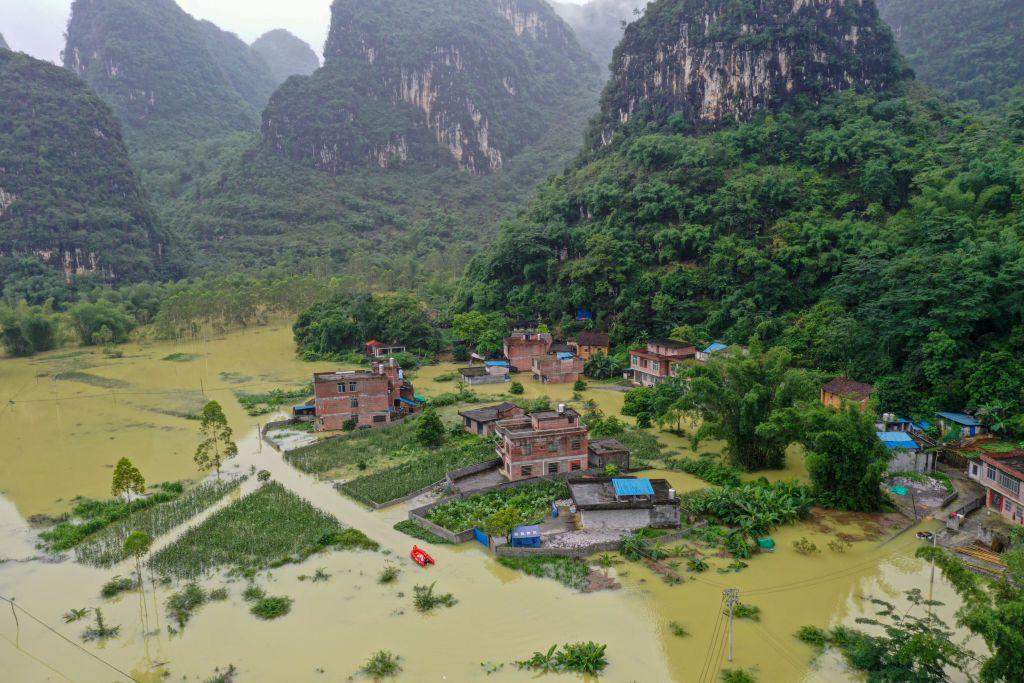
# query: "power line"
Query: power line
140,393
35,659
60,635
709,658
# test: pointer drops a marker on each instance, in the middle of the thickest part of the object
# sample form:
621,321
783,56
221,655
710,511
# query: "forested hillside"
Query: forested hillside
285,54
598,24
169,77
876,233
971,49
68,194
465,84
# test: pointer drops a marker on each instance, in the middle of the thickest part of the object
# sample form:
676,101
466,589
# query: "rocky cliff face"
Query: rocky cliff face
68,195
466,83
3,43
285,55
167,76
707,61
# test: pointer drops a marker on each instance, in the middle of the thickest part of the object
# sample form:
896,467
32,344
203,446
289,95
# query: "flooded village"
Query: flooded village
549,517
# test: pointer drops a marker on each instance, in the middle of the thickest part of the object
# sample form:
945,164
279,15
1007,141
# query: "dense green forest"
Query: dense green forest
877,234
169,77
68,194
285,54
971,49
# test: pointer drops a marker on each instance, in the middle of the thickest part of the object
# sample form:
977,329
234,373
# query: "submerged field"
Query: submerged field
65,447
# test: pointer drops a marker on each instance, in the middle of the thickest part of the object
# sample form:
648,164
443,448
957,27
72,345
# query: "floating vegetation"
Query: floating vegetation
90,379
426,600
218,594
118,585
272,607
318,576
225,676
74,615
268,528
105,548
272,401
568,571
678,630
411,528
383,664
253,593
532,500
744,611
235,377
181,605
583,658
805,547
100,630
181,357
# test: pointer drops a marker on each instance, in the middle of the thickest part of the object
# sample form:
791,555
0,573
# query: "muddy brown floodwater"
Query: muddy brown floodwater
63,432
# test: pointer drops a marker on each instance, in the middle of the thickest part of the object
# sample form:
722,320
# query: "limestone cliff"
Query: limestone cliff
700,63
169,77
466,83
68,194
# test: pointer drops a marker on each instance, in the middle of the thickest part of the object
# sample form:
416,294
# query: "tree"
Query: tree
216,445
994,611
502,522
601,366
136,545
845,459
516,388
430,429
736,396
127,480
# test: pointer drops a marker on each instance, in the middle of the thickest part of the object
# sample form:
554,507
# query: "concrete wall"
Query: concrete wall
912,461
665,516
626,520
505,550
455,475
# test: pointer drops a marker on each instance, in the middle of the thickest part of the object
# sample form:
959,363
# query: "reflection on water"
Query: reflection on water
62,436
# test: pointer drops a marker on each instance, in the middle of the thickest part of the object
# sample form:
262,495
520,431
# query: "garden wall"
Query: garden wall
505,550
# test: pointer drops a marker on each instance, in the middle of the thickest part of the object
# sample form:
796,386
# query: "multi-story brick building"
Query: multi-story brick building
557,368
1002,475
549,442
370,397
521,346
656,363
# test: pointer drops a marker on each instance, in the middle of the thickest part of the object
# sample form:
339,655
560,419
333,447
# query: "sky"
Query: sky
37,26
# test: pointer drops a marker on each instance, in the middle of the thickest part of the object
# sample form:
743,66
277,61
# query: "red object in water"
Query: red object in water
420,556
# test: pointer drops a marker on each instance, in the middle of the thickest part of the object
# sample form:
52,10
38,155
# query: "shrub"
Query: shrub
182,604
516,389
584,658
711,471
743,611
272,607
382,664
737,676
253,593
579,385
805,547
218,595
678,630
389,574
426,600
568,571
430,430
118,585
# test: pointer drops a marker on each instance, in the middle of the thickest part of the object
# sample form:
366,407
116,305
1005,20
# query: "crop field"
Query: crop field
365,447
422,471
268,528
106,547
533,500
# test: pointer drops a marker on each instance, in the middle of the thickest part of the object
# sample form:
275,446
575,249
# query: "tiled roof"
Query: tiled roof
848,388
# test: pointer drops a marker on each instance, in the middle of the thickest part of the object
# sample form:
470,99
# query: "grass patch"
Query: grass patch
105,548
381,665
272,607
235,377
272,401
447,377
181,357
364,446
533,500
711,471
423,468
411,528
389,574
88,516
90,379
566,570
999,447
268,528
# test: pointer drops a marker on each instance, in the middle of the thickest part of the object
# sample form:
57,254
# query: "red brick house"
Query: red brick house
521,347
550,442
556,368
589,343
841,391
481,421
1002,475
372,397
655,364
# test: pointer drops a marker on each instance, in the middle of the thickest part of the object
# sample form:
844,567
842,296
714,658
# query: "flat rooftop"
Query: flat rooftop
599,494
604,446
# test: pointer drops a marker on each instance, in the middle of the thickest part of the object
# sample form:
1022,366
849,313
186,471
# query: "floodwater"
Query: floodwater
62,436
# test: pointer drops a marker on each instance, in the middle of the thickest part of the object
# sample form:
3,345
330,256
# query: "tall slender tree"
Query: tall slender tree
127,480
216,445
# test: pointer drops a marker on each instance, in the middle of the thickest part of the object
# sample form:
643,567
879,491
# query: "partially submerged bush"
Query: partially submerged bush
272,607
118,585
426,600
383,664
182,604
584,658
389,574
805,547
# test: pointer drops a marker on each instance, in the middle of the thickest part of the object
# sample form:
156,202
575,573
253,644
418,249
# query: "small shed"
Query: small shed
905,453
481,374
603,452
526,536
969,426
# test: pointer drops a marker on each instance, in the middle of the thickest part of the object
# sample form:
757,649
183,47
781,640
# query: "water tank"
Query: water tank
561,408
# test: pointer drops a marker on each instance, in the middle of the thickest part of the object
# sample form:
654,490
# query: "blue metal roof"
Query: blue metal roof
961,419
894,440
632,487
496,364
715,347
923,424
408,402
563,355
528,531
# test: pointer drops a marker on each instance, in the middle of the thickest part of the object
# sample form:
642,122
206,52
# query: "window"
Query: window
990,472
527,470
352,386
656,366
527,449
974,469
636,360
553,447
1009,483
468,422
552,468
577,466
355,402
380,418
341,387
576,444
1007,505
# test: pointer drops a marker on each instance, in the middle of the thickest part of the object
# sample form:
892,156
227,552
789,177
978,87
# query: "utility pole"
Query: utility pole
732,596
931,581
